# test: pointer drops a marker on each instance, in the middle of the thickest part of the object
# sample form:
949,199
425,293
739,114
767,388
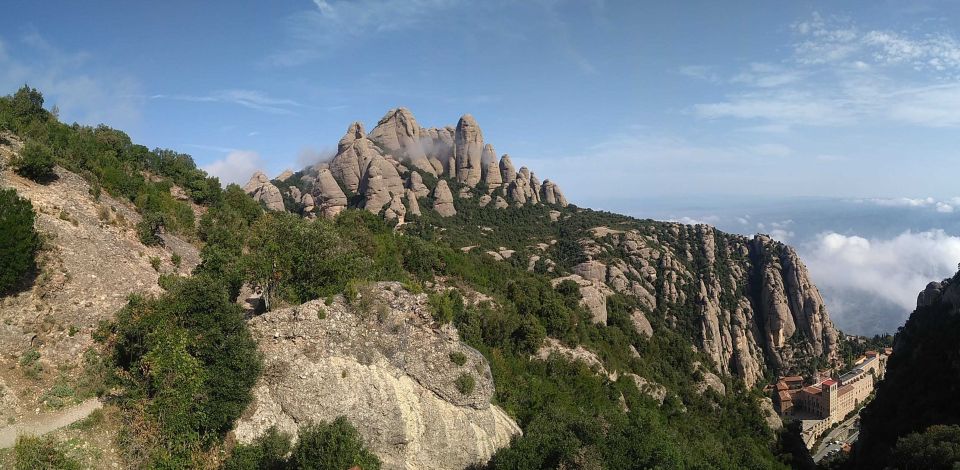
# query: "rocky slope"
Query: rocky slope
91,262
749,302
381,361
399,167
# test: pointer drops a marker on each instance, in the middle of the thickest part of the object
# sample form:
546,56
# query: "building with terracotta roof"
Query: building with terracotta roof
829,401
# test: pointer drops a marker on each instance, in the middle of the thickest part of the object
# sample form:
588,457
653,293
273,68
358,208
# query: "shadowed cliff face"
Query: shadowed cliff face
922,380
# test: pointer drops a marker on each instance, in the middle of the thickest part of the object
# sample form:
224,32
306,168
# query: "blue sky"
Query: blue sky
620,102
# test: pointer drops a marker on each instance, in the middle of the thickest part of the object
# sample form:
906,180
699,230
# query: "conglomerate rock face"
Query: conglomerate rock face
749,302
370,170
382,362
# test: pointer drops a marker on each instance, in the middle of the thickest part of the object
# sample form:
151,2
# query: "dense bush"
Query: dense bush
187,362
936,448
35,162
324,446
19,240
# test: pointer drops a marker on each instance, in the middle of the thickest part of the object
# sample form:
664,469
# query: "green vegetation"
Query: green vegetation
19,241
30,364
187,363
42,453
108,160
458,358
936,448
465,384
35,162
333,446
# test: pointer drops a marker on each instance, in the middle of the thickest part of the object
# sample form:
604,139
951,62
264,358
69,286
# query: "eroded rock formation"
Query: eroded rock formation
388,370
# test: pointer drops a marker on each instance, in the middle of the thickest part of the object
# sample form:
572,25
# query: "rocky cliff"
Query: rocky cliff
749,302
382,362
378,171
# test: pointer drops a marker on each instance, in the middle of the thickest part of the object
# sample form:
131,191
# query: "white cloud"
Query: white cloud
840,75
235,167
895,269
247,98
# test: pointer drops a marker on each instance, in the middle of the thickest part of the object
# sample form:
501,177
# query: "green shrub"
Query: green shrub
149,229
35,162
42,453
30,363
189,363
333,446
458,358
445,306
267,452
19,242
324,446
155,263
466,383
175,259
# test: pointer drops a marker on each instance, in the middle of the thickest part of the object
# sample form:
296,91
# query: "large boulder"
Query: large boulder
262,190
399,133
443,200
507,172
468,150
354,153
327,195
384,365
380,183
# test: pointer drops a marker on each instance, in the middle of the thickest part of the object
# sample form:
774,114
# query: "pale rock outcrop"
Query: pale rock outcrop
380,183
415,184
308,203
488,156
648,387
388,371
534,195
507,172
282,177
641,323
262,190
500,203
354,154
550,194
468,150
484,200
399,133
294,193
396,210
413,206
443,200
594,295
492,177
327,195
770,415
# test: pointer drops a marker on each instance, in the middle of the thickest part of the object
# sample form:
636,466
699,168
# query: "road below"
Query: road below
846,433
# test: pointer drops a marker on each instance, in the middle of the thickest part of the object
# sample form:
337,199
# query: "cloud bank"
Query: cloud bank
895,269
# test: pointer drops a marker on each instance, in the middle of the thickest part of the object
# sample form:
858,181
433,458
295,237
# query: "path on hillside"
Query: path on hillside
48,422
846,432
